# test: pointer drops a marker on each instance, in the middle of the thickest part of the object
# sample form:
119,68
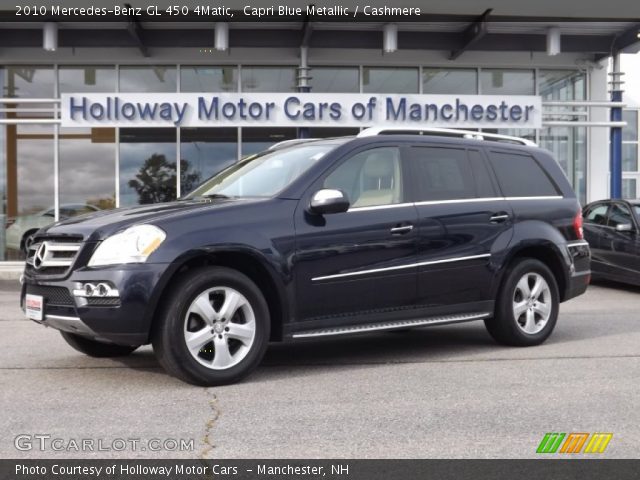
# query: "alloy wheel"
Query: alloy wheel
532,303
219,328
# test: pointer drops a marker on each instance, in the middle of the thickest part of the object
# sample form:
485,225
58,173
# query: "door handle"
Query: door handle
499,217
401,230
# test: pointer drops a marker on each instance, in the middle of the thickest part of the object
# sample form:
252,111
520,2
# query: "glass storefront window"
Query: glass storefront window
389,80
208,79
630,132
87,167
156,78
495,81
27,160
562,85
329,132
569,147
3,192
203,153
30,184
28,81
87,79
147,165
335,79
528,133
630,157
455,81
256,140
629,188
268,79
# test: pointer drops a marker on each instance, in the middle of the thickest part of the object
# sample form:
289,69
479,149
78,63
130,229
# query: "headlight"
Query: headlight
134,245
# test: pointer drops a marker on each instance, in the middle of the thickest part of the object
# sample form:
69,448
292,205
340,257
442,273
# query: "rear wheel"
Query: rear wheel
93,348
527,306
214,327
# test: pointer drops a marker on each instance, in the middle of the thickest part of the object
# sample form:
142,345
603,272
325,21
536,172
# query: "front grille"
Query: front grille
59,296
52,256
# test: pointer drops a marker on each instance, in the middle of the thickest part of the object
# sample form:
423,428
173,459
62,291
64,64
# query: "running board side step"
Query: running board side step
372,327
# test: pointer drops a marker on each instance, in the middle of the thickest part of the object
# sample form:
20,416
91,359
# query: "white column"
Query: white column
598,158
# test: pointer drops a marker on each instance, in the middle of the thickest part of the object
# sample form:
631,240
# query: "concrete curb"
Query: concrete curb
11,270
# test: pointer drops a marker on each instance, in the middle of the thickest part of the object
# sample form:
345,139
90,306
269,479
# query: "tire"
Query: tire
536,315
96,349
214,327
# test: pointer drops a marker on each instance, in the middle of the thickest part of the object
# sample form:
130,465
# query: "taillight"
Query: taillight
10,221
577,226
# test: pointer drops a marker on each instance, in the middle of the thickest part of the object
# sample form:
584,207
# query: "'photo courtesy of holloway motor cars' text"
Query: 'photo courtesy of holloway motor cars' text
321,240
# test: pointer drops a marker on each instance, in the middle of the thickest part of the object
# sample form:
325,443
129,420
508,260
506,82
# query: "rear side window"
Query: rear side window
520,175
597,215
448,174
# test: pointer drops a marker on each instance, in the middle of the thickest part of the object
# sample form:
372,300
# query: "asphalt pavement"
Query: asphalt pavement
439,392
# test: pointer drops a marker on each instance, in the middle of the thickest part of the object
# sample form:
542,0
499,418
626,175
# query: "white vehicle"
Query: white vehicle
20,233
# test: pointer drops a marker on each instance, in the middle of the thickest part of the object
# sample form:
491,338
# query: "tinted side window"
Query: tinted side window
481,175
619,215
597,215
520,175
441,173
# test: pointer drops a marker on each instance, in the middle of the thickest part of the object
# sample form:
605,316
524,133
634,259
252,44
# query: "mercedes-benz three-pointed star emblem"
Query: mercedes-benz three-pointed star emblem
39,256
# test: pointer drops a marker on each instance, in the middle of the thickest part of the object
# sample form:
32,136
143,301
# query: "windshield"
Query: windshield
264,174
637,209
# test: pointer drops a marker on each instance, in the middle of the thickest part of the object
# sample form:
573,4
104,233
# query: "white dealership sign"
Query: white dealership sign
299,110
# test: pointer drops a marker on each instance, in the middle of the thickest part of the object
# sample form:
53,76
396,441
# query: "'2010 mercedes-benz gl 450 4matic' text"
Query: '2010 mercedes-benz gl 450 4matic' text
322,237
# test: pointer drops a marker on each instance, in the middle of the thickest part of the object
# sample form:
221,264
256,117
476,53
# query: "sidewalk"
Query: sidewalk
11,270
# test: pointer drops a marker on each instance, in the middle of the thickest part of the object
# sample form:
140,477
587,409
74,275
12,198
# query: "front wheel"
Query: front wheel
527,306
93,348
214,327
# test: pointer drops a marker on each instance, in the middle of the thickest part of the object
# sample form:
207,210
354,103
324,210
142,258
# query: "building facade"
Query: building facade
48,171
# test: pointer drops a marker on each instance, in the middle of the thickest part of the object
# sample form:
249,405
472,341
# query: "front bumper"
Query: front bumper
124,320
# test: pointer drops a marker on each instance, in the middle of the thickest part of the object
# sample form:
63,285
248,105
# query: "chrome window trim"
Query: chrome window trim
460,200
541,197
455,200
400,267
379,207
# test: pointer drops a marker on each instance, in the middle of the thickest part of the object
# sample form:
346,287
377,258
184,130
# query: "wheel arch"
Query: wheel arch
545,252
243,261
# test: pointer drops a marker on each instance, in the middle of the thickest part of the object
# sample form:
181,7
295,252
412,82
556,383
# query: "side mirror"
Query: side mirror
624,227
329,201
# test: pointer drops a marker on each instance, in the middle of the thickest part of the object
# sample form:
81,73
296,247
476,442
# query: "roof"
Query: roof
597,28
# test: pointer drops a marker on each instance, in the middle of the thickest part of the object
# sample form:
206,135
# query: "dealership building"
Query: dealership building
68,145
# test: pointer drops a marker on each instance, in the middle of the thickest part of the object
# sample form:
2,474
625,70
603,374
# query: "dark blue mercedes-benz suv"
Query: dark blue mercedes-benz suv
389,229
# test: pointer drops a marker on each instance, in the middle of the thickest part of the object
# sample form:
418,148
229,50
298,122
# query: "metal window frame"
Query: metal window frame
360,66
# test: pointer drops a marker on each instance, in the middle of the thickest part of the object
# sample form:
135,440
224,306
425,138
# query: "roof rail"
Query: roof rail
288,143
446,132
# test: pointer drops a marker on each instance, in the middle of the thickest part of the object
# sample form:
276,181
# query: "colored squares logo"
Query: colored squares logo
574,443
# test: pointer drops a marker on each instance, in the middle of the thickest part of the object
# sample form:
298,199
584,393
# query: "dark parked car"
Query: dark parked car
612,228
382,231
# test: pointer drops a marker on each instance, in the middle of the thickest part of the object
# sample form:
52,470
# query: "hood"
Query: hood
99,225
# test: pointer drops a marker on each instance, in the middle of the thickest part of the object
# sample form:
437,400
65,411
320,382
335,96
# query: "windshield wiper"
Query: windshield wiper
215,195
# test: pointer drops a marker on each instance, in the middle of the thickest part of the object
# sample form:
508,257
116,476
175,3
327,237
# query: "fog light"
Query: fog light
88,289
102,289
